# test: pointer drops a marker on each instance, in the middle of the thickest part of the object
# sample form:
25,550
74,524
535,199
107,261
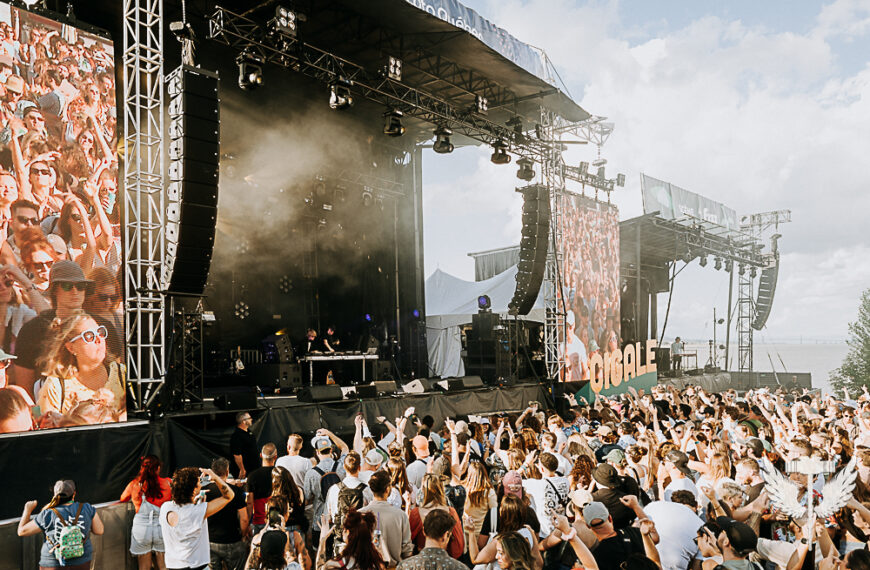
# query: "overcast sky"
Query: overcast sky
759,105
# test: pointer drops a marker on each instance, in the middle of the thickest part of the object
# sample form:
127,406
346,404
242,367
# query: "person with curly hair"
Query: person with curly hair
182,519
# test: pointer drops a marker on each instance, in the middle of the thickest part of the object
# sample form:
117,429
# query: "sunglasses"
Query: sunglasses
105,298
90,335
40,171
27,221
41,265
69,286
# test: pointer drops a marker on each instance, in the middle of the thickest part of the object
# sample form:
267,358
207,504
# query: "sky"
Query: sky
759,105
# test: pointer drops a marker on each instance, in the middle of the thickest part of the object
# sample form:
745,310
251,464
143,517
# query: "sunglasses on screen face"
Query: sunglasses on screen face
27,221
105,298
90,335
69,286
40,171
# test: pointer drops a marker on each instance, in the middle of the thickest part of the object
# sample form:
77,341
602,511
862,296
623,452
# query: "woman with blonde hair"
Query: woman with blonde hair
77,370
434,498
481,495
403,494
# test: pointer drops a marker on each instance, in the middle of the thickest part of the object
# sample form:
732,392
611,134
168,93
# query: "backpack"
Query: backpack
348,498
71,541
327,480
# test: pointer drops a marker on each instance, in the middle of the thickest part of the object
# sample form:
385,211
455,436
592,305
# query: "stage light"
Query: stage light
620,180
442,140
753,272
394,68
415,313
481,103
741,270
284,284
584,167
393,123
499,154
717,264
284,23
241,310
601,174
688,256
339,94
526,172
368,317
250,71
703,261
484,303
367,197
729,265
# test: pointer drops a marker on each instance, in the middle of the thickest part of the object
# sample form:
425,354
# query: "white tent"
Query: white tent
450,303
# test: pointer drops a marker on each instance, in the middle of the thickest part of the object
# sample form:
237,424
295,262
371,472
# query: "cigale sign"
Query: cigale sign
636,363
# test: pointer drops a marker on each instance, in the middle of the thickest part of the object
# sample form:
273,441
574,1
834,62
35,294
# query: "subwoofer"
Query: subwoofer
328,393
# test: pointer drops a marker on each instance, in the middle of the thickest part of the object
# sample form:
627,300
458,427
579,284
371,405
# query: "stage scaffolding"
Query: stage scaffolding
144,221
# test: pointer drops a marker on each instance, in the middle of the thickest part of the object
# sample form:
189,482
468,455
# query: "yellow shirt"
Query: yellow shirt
74,392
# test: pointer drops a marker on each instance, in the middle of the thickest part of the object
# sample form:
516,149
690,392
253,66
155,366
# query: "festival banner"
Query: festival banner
673,203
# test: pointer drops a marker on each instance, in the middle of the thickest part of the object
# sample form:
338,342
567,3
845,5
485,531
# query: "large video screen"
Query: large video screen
61,347
590,282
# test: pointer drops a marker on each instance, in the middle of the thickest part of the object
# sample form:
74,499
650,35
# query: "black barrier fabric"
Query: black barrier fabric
102,460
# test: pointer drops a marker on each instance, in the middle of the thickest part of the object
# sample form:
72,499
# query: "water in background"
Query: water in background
817,359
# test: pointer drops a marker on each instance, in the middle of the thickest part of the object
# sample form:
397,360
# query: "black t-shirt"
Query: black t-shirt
224,526
245,444
531,519
613,551
36,335
260,482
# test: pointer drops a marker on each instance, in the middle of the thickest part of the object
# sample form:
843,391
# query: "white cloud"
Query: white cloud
758,119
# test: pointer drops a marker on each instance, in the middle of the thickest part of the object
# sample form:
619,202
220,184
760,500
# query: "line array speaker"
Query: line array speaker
191,197
533,248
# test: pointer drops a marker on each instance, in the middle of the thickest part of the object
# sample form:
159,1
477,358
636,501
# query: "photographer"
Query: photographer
271,547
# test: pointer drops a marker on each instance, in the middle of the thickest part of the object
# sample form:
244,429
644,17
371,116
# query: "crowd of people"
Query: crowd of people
61,347
670,480
590,272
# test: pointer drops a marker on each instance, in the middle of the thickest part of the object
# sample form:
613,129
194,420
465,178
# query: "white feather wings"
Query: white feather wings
783,492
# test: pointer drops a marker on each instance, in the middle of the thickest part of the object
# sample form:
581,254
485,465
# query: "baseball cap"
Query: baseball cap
461,427
321,443
65,271
421,445
581,498
680,460
374,458
603,430
273,543
616,456
513,484
15,84
595,511
66,487
741,536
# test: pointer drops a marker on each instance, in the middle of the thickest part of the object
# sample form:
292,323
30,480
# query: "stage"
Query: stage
102,459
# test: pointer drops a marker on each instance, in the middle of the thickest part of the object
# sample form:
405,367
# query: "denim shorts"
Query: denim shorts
146,536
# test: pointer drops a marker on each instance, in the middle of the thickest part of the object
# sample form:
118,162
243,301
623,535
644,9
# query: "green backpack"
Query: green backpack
71,542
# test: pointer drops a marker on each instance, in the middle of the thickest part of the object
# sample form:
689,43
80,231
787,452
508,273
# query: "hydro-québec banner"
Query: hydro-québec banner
673,203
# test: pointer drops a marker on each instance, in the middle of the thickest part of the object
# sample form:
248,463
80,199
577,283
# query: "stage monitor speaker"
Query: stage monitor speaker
418,386
194,152
366,391
246,400
328,393
385,387
465,383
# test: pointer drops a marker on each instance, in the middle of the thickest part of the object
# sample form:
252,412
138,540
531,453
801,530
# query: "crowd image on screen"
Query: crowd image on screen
590,276
670,479
61,347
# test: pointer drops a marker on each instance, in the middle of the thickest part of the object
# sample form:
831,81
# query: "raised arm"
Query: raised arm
226,491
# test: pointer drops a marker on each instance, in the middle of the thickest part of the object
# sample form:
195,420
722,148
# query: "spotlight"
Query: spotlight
250,71
368,317
367,197
620,180
729,265
442,140
499,154
717,263
688,256
741,270
284,23
415,313
394,68
484,303
339,94
703,261
600,172
285,284
481,103
584,167
526,172
393,123
753,272
241,310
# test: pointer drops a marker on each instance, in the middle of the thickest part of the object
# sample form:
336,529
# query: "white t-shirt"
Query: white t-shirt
564,463
186,542
545,499
415,472
297,465
677,526
684,484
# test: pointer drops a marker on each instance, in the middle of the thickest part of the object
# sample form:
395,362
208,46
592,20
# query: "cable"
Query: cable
670,296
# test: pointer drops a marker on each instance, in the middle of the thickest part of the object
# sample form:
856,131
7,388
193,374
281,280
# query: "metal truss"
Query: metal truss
187,329
144,219
248,36
553,169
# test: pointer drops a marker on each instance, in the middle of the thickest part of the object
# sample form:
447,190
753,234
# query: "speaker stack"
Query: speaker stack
191,198
533,248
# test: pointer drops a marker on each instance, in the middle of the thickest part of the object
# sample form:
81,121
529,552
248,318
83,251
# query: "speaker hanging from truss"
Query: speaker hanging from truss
533,248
